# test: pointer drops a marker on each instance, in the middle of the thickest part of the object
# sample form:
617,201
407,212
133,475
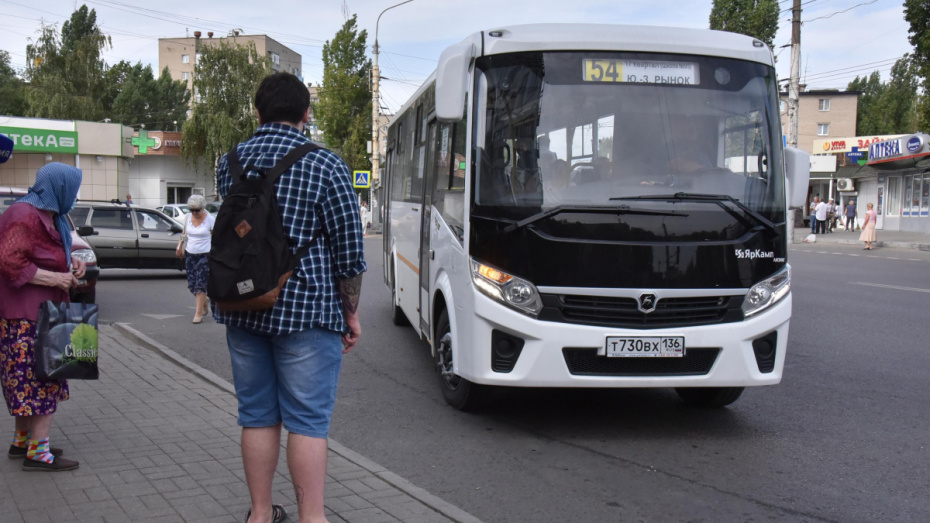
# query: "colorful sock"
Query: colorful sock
38,451
19,438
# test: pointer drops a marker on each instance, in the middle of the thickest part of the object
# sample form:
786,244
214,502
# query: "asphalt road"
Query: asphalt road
843,438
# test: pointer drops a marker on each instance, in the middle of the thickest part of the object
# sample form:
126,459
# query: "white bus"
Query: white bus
595,206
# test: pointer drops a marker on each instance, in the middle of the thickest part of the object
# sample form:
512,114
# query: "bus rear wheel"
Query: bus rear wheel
457,391
709,397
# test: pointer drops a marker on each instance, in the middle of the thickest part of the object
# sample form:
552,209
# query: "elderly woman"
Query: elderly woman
35,266
198,226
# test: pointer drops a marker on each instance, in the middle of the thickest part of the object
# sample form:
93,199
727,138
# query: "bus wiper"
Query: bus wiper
719,199
622,209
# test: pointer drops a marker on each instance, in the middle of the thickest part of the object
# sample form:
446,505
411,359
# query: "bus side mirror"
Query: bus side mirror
452,81
797,173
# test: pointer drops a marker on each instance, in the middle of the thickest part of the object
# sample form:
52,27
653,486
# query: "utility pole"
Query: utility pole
376,105
794,88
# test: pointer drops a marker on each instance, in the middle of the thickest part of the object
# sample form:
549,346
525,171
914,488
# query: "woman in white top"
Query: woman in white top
199,227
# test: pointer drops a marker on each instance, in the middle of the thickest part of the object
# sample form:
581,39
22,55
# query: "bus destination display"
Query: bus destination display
640,71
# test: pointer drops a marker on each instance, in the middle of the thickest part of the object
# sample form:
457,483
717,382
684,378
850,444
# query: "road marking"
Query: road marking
163,316
913,289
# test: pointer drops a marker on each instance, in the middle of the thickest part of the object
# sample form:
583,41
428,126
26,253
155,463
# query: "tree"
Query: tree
887,108
67,76
12,89
917,13
141,99
344,107
226,77
755,18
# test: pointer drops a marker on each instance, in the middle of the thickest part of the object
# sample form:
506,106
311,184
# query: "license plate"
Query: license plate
645,347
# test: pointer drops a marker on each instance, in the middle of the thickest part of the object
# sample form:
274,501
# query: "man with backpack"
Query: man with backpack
286,357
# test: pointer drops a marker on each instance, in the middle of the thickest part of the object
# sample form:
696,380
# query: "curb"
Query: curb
434,502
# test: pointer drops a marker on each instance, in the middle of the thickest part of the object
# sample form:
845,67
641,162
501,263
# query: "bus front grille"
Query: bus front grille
586,362
624,312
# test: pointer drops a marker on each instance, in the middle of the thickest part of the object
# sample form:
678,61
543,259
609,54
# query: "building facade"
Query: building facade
180,55
114,159
823,116
103,152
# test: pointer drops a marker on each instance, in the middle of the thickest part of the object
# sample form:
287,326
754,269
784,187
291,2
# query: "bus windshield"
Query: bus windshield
607,128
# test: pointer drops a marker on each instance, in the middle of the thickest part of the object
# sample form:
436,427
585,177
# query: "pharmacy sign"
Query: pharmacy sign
42,140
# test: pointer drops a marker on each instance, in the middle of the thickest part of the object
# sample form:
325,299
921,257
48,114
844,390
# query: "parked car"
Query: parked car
86,291
130,237
213,208
175,210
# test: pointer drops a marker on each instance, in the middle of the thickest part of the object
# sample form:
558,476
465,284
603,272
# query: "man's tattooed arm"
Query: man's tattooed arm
349,291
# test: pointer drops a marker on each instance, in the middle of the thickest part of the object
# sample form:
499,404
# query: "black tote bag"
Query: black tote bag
66,341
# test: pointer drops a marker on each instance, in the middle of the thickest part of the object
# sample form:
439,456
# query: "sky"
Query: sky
839,38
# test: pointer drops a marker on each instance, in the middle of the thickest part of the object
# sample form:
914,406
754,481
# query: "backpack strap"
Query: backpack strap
272,174
289,159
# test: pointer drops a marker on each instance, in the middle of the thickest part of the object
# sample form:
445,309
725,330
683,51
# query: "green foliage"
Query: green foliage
67,77
12,89
755,18
226,77
141,99
69,80
84,342
344,108
887,108
917,14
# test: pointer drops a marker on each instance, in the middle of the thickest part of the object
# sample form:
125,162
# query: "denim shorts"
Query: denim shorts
288,378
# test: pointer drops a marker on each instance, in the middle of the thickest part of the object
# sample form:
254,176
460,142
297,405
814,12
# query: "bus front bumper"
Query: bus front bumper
566,355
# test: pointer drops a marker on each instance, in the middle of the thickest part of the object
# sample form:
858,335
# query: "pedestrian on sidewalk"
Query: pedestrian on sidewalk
831,215
821,216
813,214
851,215
35,265
286,360
868,234
199,229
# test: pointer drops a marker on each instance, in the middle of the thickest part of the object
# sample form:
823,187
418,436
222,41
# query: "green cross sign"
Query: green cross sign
143,141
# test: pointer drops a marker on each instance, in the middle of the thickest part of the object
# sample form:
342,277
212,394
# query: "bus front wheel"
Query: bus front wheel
457,391
709,396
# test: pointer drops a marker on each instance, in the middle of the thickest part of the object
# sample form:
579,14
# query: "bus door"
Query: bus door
425,229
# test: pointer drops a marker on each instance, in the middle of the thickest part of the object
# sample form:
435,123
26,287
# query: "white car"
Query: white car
175,210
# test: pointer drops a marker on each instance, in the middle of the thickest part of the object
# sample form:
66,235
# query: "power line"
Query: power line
831,15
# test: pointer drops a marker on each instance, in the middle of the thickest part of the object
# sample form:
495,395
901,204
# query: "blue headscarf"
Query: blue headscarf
56,190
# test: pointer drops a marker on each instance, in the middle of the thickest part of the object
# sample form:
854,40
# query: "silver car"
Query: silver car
129,237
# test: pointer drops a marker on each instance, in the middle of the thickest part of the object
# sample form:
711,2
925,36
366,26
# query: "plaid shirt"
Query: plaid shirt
319,208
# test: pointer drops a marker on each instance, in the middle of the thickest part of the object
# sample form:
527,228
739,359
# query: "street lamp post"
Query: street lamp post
376,105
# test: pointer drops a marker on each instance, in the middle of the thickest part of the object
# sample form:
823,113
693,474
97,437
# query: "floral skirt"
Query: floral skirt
197,271
25,394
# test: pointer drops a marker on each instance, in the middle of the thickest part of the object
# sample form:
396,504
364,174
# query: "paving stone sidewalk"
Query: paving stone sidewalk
158,442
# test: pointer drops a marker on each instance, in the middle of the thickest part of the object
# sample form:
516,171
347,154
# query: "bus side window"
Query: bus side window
449,190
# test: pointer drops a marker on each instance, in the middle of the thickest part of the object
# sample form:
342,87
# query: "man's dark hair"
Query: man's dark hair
281,97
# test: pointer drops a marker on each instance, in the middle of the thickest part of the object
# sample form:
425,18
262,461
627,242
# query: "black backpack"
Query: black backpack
250,257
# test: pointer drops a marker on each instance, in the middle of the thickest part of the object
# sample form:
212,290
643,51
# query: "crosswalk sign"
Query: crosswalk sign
362,179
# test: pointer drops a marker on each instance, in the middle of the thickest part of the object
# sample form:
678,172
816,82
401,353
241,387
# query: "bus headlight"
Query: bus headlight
767,292
506,288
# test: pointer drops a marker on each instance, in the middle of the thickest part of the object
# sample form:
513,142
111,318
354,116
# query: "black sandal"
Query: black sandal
278,514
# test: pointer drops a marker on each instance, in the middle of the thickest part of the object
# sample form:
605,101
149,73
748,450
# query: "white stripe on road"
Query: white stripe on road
163,316
913,289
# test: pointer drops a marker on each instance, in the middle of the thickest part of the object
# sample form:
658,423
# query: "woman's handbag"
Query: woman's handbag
181,249
66,341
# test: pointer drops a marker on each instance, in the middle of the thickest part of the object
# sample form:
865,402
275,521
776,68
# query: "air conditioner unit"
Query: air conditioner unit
844,184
